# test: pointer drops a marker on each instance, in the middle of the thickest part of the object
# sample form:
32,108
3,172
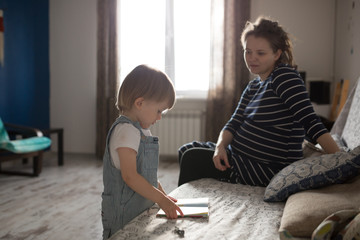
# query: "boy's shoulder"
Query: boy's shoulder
126,128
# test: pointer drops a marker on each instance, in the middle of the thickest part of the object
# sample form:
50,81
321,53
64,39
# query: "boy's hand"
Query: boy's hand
162,190
170,208
173,199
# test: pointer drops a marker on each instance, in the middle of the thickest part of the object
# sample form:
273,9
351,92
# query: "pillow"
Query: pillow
344,224
313,172
304,211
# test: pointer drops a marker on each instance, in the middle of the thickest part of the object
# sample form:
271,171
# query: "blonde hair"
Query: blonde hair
274,34
147,82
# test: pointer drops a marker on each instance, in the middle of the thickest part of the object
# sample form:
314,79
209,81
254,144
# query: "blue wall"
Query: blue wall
24,77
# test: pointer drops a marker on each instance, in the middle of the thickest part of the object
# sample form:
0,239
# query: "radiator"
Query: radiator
178,127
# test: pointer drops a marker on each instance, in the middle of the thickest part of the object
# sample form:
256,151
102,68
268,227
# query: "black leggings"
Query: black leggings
196,162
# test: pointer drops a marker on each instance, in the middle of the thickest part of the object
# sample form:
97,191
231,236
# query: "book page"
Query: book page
191,207
193,202
199,212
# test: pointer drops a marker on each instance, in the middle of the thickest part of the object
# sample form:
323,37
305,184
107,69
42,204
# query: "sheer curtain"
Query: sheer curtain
228,75
107,71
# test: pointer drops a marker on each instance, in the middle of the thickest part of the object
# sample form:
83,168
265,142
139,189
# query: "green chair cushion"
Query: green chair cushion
4,137
31,144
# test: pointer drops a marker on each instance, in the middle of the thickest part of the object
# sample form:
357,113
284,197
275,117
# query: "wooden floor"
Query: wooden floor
63,202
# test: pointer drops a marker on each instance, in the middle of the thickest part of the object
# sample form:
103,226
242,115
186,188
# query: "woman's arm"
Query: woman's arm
291,89
140,185
226,135
327,143
237,117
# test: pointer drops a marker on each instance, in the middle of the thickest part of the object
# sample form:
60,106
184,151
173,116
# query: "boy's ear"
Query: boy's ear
139,102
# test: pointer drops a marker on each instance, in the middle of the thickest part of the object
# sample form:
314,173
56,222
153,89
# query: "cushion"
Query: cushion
26,145
344,224
304,211
4,137
313,172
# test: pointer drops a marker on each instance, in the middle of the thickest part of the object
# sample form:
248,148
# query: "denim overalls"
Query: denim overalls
120,204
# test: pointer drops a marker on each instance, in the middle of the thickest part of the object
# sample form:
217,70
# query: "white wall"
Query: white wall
347,51
311,25
73,72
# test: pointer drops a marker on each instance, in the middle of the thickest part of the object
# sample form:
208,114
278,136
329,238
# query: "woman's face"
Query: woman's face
259,57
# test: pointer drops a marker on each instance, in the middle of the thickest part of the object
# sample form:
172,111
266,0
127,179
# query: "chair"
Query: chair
338,102
340,96
31,145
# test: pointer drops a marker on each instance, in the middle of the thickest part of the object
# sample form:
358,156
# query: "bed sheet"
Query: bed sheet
235,212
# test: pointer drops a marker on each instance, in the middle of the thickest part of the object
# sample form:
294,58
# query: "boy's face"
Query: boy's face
148,112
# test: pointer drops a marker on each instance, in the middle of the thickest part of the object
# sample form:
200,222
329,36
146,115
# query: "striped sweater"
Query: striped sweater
272,118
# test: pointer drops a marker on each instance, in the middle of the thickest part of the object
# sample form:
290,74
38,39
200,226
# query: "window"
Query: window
171,35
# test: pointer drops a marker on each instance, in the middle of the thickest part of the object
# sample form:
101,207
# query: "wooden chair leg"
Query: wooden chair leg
37,164
37,158
61,147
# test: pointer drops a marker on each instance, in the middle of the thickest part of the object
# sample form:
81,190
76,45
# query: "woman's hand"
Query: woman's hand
328,144
220,158
167,204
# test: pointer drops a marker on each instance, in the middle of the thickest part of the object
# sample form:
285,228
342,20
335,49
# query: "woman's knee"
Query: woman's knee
186,147
196,158
186,156
196,144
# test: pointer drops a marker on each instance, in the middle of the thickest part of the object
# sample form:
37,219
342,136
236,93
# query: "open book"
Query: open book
191,207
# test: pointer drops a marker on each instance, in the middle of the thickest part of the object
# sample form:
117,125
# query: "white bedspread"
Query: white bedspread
236,212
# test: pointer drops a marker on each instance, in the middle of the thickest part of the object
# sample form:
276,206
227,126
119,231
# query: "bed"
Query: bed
233,209
297,199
